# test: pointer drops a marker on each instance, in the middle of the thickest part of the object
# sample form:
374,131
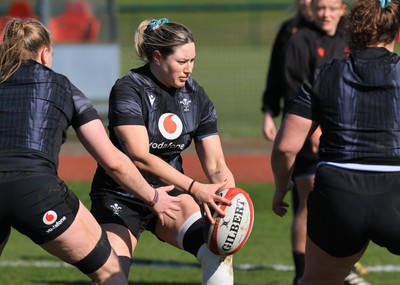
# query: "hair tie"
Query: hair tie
384,3
154,24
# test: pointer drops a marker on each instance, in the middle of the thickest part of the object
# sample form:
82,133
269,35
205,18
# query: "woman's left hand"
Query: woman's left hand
206,195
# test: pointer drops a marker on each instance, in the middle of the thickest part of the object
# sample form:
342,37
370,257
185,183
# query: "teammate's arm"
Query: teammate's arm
95,139
289,140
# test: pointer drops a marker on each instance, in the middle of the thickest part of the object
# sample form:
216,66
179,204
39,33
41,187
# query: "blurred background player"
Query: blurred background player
273,96
155,112
355,102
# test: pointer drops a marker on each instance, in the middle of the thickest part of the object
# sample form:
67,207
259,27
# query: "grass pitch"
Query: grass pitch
156,263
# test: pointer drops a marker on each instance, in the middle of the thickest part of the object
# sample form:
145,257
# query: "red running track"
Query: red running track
246,168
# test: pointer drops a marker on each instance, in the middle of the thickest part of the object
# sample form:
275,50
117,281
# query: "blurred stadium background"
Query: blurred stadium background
233,40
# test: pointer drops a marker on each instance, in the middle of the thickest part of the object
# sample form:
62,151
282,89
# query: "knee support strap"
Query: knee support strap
125,263
190,237
97,257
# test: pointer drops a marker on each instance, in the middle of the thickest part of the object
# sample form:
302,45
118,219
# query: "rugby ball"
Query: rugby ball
228,234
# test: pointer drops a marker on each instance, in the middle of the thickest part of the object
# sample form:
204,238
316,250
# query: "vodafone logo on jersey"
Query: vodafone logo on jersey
49,217
170,126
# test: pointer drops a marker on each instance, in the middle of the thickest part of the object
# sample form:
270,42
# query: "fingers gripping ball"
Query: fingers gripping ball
231,232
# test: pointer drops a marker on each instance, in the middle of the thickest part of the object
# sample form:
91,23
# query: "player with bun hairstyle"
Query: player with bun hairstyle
37,107
155,112
356,103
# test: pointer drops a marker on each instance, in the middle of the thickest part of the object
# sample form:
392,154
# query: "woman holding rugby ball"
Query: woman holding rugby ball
155,112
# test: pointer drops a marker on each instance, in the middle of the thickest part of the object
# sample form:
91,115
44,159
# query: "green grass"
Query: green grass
267,245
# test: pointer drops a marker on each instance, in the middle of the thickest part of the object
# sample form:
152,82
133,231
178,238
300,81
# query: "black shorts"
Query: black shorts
347,208
306,162
304,167
41,207
112,207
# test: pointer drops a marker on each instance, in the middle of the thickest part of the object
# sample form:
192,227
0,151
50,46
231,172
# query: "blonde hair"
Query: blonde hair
22,40
164,38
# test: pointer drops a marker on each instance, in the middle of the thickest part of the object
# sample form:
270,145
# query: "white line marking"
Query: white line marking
23,263
276,267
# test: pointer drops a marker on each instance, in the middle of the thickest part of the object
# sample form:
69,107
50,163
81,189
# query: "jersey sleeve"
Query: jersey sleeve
125,106
84,110
302,103
208,121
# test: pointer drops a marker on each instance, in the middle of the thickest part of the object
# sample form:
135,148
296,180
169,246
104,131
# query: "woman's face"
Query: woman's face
327,14
175,69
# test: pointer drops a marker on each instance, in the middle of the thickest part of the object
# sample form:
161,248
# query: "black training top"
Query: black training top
275,83
357,104
308,49
172,117
36,108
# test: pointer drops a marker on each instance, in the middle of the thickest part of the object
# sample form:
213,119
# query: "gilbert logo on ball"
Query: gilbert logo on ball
231,232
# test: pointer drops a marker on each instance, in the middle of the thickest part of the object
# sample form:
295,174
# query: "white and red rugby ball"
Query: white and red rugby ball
228,234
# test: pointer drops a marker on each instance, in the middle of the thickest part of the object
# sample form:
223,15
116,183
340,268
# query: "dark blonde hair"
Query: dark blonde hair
22,40
164,38
368,24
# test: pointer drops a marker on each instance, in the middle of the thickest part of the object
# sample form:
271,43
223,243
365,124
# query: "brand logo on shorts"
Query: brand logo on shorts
49,217
170,126
116,209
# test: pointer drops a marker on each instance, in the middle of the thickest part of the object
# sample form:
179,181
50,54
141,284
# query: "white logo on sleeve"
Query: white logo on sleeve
170,126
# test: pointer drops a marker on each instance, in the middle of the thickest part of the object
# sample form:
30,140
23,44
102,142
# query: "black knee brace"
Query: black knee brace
97,257
194,237
125,263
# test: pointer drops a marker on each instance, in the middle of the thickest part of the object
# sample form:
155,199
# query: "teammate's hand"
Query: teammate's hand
166,204
279,206
206,195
